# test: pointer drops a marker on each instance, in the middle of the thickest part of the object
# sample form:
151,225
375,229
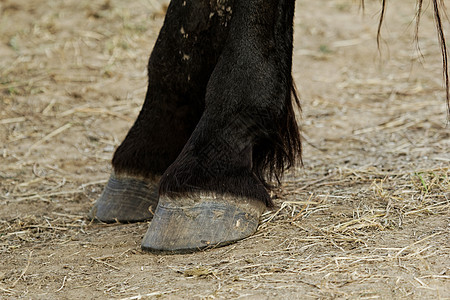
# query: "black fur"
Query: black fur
179,68
248,129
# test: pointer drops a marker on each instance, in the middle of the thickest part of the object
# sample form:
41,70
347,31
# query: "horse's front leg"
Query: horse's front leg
214,192
186,51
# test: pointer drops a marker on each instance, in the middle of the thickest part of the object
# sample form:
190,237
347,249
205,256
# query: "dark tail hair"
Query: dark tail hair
439,9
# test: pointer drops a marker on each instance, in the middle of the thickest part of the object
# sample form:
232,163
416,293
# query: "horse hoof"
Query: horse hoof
126,199
188,224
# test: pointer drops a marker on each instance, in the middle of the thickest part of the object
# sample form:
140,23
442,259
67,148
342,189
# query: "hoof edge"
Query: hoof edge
126,199
192,223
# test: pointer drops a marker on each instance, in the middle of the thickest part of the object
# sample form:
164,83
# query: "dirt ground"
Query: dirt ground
366,217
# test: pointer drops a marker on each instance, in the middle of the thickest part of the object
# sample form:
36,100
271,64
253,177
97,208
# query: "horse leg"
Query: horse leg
214,192
186,51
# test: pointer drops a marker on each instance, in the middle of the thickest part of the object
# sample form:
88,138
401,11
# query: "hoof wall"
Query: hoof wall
188,224
126,199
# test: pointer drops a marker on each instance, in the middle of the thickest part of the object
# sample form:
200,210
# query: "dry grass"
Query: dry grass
365,218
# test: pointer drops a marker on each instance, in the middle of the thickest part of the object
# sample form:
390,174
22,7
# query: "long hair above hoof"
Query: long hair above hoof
281,150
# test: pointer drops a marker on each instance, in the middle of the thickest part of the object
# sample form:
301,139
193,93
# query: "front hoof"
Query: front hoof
126,199
192,223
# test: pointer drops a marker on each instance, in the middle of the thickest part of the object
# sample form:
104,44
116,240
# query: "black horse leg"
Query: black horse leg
185,53
214,192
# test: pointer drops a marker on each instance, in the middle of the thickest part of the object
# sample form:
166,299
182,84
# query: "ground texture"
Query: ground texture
366,217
